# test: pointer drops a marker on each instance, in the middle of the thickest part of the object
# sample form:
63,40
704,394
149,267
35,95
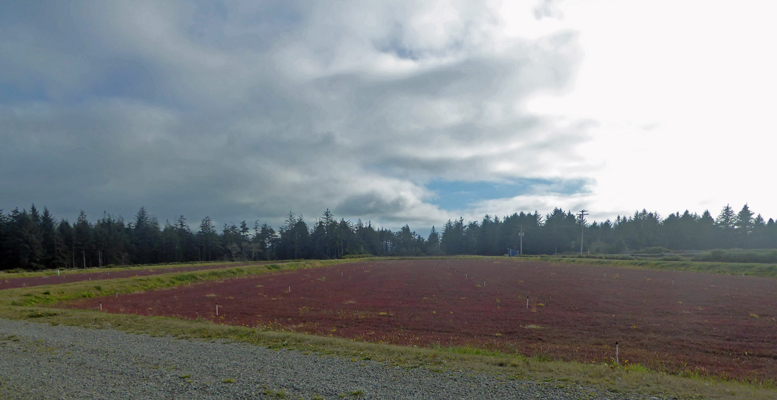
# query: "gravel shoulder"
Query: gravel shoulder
40,361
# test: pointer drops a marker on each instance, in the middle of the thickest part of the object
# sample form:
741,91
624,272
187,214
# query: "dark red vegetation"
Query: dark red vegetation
14,283
670,321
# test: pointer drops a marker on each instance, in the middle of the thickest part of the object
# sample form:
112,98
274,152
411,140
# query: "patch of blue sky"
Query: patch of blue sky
14,94
459,195
127,77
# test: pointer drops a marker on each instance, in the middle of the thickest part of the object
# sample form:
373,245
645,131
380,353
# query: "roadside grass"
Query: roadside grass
18,304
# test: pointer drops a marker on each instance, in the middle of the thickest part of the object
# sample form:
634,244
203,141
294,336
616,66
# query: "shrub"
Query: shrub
357,255
654,250
739,256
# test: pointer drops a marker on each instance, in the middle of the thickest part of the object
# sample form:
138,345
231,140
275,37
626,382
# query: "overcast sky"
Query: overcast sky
393,112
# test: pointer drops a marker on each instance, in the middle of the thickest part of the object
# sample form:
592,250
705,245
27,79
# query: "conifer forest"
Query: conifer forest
32,239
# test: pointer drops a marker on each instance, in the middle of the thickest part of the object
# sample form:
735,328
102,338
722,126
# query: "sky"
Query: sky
395,112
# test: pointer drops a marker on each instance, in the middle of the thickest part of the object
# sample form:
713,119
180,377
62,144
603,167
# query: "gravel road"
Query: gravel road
39,361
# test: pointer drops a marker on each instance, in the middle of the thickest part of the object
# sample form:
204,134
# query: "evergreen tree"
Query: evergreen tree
264,242
726,219
146,238
83,241
433,243
53,246
452,241
110,241
208,239
707,231
22,241
743,222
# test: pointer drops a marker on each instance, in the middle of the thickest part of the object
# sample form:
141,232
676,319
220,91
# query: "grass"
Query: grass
9,274
748,269
20,273
279,394
18,304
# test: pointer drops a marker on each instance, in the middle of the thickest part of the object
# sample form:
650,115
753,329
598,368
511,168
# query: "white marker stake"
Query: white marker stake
616,354
289,288
484,283
217,309
117,294
101,306
527,302
57,272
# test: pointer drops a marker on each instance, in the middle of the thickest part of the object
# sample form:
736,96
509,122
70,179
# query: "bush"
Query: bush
357,255
654,250
739,256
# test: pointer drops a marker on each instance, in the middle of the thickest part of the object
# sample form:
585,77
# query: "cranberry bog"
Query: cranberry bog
70,276
676,322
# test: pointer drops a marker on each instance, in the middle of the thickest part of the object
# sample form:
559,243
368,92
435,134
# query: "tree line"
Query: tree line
30,239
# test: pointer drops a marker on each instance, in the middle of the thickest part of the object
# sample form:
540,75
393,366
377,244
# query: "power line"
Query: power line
582,230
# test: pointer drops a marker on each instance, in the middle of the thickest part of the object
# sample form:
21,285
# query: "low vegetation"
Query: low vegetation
626,377
726,268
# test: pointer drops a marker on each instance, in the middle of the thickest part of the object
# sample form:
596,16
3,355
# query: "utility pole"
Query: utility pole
582,230
521,236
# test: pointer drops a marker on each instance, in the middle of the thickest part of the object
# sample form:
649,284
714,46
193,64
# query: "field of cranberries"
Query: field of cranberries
706,324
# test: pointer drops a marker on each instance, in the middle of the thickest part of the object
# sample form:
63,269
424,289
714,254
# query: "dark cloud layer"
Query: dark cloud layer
246,110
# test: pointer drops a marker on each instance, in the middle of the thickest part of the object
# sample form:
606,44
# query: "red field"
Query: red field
14,283
666,320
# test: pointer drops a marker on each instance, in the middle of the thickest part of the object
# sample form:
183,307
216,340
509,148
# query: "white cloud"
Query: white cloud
248,110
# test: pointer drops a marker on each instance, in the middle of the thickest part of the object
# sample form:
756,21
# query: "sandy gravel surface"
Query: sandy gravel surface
39,361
